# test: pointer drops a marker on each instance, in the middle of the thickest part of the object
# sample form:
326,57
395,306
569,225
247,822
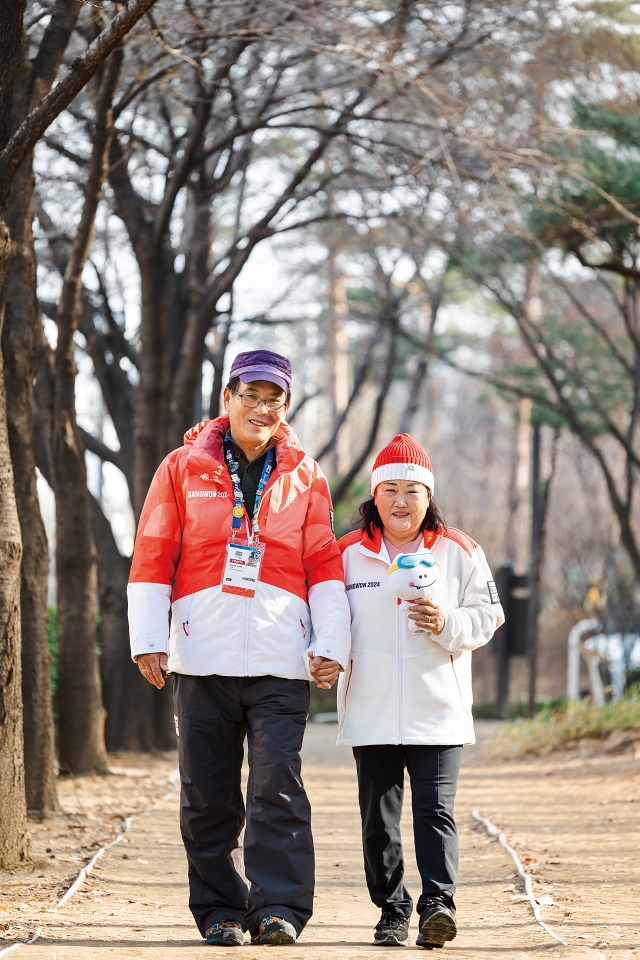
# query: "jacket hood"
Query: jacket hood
207,453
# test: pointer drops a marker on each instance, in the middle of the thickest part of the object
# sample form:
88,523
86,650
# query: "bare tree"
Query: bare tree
81,714
19,346
583,368
216,96
14,149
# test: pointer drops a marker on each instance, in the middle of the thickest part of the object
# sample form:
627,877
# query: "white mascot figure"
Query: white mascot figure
413,576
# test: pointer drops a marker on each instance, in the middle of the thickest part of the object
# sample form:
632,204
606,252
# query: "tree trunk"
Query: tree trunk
128,698
20,341
20,338
342,487
14,843
80,710
217,358
419,379
539,514
338,343
139,717
152,395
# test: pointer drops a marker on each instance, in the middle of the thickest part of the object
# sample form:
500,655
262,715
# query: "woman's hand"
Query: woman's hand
324,672
428,614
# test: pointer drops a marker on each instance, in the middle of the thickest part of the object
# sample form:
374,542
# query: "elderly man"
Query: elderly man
236,539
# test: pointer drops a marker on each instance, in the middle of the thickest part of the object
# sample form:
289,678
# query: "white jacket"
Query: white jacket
410,688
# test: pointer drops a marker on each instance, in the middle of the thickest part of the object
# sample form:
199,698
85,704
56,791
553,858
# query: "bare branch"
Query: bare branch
97,446
342,488
360,379
79,73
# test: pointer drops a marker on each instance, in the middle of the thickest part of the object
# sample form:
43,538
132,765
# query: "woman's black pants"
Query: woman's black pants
433,774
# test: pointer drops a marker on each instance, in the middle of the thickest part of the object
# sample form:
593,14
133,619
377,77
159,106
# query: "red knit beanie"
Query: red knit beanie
402,459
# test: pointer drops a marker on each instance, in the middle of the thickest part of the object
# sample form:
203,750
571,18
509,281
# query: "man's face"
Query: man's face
253,426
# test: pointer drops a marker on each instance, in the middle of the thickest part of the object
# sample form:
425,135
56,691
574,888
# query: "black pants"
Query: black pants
213,714
433,772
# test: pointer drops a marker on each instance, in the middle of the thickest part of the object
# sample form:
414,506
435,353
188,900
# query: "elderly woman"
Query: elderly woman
405,697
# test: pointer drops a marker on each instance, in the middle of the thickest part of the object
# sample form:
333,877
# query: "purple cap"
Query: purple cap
262,365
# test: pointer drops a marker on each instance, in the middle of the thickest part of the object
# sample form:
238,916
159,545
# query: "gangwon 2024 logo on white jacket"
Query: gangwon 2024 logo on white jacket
402,687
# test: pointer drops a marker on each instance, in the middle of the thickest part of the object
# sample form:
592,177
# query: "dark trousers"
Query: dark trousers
213,714
433,773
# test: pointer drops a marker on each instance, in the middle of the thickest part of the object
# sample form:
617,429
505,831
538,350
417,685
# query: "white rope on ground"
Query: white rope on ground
85,871
174,780
493,831
14,946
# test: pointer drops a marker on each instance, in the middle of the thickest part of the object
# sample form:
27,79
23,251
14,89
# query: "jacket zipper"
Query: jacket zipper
453,667
346,692
185,623
399,622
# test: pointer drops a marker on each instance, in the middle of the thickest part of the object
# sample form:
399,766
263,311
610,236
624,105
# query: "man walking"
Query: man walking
236,539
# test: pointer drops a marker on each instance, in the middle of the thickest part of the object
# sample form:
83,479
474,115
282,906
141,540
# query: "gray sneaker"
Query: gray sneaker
392,931
437,925
274,932
226,933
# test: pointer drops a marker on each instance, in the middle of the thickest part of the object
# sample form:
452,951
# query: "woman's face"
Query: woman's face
402,505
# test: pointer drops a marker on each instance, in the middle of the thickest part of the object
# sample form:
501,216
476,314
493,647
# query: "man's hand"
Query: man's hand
428,614
324,672
151,666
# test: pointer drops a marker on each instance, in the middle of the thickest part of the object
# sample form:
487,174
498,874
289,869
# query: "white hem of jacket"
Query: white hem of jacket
231,636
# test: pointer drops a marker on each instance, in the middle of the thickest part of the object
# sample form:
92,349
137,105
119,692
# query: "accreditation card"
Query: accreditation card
242,568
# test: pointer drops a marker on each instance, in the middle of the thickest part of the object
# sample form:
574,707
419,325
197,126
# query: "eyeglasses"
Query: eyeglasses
252,400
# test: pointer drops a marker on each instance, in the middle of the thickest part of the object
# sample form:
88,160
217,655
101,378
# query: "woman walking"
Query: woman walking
405,699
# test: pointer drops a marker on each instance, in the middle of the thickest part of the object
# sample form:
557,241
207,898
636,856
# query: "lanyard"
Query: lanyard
238,497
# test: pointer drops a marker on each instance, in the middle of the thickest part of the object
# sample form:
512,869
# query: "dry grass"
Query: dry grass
550,730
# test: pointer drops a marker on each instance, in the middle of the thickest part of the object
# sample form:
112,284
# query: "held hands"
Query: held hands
324,672
151,666
427,614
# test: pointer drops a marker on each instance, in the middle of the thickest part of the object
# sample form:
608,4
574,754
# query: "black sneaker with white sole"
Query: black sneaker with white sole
392,931
437,925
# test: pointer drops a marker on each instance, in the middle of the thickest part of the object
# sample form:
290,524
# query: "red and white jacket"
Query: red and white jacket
402,687
300,602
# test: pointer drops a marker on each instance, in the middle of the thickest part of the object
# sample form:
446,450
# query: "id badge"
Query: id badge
242,568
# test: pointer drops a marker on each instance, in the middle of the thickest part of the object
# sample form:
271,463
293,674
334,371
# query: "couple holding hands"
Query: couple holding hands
240,590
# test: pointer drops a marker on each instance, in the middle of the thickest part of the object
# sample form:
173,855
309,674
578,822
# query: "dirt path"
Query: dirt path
576,824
